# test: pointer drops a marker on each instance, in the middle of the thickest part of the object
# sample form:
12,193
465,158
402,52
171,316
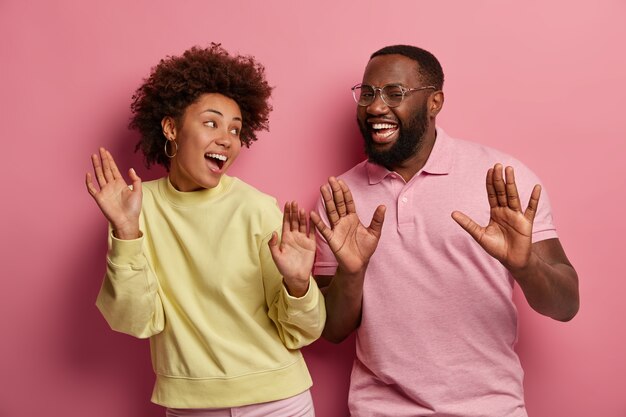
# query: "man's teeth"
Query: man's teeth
377,126
222,158
384,130
385,134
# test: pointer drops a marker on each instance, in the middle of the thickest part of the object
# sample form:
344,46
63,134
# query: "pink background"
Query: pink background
544,81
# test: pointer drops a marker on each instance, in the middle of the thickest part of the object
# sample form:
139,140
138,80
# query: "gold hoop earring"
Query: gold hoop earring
175,148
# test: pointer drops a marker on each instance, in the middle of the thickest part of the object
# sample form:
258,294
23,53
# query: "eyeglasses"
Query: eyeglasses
392,94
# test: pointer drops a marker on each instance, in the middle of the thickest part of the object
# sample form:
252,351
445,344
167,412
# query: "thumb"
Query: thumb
533,203
273,244
376,226
469,225
136,181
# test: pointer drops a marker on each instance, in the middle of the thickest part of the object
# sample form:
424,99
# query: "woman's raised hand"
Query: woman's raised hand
119,203
294,252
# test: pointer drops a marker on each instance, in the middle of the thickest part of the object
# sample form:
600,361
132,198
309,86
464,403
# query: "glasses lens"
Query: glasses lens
393,95
363,94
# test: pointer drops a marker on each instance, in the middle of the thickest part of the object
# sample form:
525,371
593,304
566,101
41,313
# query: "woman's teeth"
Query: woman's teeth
222,158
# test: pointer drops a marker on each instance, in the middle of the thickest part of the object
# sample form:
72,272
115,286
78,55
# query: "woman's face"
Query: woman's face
208,142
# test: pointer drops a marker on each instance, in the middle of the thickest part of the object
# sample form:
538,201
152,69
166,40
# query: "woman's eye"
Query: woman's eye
235,132
210,124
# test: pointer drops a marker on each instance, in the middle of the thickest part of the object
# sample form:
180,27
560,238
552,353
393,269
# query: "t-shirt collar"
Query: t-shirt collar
439,162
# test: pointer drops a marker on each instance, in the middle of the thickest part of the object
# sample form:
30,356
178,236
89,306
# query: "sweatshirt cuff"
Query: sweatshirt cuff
307,302
126,252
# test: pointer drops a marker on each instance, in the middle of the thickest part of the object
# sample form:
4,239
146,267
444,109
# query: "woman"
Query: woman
194,260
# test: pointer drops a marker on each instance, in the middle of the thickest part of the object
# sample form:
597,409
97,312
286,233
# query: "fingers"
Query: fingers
91,189
319,224
338,196
311,225
106,165
97,169
293,216
287,217
533,203
512,195
116,172
296,219
491,191
502,189
329,203
499,185
105,168
107,174
303,221
337,199
347,196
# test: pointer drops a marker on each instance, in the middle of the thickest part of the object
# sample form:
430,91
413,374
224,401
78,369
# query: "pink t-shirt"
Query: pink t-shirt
438,324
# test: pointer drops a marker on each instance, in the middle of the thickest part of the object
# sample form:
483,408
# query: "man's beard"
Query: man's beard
408,144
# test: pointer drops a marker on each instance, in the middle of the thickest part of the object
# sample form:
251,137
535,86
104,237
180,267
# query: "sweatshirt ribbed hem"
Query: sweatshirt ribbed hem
259,387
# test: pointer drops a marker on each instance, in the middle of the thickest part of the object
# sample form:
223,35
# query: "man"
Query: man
431,302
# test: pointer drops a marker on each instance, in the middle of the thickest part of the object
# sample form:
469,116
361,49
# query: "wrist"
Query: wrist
128,229
352,274
297,288
521,273
128,233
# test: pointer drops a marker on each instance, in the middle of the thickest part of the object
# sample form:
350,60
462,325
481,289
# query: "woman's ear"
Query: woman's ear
168,124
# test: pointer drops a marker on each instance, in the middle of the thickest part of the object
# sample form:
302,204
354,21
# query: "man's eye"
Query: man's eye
393,92
210,124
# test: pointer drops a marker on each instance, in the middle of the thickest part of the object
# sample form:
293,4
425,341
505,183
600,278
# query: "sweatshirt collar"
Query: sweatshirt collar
192,198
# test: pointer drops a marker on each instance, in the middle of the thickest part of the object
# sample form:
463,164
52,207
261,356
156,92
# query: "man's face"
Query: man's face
393,134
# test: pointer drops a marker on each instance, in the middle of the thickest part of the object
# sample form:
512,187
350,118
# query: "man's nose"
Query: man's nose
378,106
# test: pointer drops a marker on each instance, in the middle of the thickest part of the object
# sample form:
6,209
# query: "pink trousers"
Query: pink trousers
300,405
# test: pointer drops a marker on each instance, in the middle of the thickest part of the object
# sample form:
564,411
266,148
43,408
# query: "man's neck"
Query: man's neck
411,166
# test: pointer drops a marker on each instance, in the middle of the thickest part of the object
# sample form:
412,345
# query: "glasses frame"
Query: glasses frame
379,90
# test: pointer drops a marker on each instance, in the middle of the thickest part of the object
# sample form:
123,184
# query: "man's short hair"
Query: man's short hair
429,68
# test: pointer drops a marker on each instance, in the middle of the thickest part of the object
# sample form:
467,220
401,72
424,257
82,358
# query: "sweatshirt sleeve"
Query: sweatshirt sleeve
129,298
299,321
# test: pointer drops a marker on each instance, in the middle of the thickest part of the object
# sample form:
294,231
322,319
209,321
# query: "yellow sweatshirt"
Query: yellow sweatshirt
202,285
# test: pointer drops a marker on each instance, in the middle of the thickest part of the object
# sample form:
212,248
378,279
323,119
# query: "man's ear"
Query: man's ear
435,103
168,124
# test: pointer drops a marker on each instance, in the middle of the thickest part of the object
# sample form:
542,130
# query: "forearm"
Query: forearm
551,289
299,320
129,298
344,298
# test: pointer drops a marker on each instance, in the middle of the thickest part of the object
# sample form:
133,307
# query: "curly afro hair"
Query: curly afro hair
178,81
